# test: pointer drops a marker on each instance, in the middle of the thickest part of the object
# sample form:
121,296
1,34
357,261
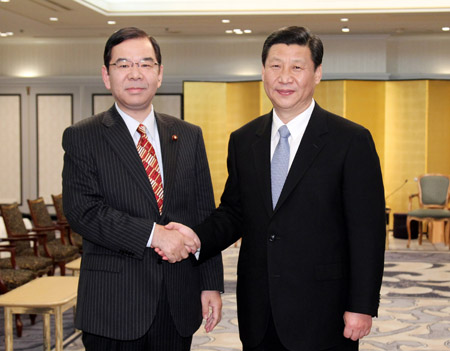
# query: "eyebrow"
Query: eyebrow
142,59
278,59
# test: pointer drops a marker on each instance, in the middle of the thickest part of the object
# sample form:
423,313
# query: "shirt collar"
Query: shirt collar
132,124
296,125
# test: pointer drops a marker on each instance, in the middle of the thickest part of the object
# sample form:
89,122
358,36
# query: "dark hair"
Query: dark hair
125,34
295,35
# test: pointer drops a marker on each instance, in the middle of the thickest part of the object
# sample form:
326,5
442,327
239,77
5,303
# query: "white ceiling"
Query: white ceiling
169,18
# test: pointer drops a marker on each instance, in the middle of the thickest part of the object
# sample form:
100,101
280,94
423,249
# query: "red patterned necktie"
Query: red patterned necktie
150,162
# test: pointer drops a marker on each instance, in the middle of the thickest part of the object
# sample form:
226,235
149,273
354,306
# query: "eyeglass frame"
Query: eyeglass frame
148,61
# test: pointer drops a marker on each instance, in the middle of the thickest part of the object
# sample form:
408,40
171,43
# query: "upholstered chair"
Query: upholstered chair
433,195
27,255
42,223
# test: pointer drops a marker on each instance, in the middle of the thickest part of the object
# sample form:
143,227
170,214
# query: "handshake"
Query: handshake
174,242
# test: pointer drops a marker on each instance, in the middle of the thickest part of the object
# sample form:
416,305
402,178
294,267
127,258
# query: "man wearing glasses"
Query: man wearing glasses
127,172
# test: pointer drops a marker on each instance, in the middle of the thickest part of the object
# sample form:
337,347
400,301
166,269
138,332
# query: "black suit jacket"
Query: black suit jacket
108,199
320,252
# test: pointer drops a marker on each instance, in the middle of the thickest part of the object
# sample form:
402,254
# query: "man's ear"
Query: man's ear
160,75
105,77
318,74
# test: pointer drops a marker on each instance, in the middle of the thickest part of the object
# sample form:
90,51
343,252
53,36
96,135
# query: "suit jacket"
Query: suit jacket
320,252
108,199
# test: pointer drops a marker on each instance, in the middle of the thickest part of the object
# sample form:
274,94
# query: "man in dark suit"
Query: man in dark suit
312,251
128,171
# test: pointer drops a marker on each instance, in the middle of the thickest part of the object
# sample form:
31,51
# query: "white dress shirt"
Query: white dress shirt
296,126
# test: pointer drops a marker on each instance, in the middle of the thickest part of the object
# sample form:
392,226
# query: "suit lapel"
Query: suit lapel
118,137
261,154
312,143
169,151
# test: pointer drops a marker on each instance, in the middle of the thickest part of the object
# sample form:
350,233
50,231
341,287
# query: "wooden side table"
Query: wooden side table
46,295
74,266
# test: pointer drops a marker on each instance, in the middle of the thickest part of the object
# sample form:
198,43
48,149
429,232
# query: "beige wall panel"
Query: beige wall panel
10,157
205,105
170,104
164,103
54,114
330,96
365,105
406,125
102,103
439,127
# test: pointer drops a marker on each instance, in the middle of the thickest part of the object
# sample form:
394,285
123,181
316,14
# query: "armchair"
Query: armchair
433,195
11,278
27,257
75,239
43,223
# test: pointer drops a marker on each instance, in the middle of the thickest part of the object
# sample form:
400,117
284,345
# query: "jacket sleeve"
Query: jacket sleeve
221,228
364,208
84,200
211,269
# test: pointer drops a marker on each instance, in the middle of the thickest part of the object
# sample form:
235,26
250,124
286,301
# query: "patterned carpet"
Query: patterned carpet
415,304
414,312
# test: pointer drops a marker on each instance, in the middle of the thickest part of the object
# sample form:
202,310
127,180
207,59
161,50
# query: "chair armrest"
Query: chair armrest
43,229
411,197
10,246
42,241
12,250
63,228
54,227
21,238
32,234
33,238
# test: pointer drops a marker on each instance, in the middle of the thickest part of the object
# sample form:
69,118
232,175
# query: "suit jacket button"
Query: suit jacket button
272,238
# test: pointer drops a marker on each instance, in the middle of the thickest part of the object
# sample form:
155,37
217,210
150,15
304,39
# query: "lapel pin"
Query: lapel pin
174,137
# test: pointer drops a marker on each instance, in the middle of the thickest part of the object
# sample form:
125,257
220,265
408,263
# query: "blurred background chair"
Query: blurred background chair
42,223
11,278
27,255
75,239
433,195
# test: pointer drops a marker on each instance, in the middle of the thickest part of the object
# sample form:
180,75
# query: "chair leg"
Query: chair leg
19,326
51,272
447,232
62,268
408,229
33,319
420,226
430,231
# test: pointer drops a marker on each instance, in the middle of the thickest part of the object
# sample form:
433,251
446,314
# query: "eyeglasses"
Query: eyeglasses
125,64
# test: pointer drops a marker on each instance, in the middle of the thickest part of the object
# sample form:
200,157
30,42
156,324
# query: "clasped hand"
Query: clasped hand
174,242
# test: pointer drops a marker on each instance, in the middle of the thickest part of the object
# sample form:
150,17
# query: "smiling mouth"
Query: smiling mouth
135,89
285,91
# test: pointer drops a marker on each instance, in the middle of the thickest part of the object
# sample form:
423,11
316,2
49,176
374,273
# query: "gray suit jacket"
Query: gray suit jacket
108,199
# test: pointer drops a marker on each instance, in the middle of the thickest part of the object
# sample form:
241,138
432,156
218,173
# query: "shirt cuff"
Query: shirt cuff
149,242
